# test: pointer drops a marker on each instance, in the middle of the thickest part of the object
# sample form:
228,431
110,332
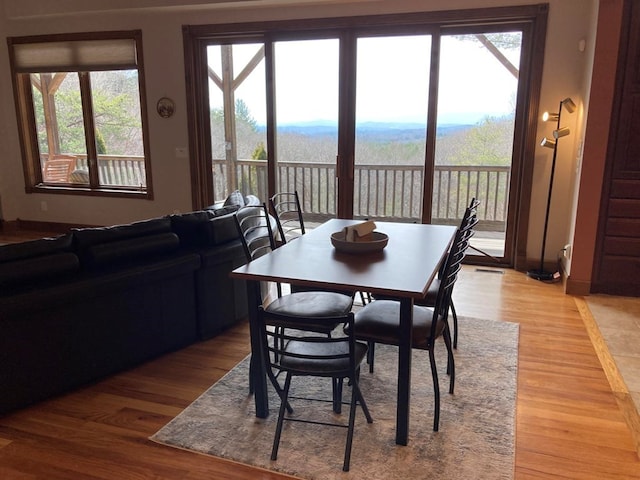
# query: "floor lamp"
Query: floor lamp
559,132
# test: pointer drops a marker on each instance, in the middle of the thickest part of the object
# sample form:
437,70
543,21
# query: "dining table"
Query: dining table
403,269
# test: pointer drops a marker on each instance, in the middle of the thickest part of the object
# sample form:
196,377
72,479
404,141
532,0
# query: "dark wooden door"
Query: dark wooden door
617,262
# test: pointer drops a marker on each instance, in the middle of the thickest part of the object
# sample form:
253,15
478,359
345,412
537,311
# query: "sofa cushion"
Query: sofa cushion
222,229
192,228
35,248
130,250
86,237
234,198
39,268
252,201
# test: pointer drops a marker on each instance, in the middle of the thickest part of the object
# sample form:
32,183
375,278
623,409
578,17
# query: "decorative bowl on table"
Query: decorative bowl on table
376,243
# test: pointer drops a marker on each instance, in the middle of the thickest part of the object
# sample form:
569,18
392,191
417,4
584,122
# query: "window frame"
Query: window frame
532,18
27,127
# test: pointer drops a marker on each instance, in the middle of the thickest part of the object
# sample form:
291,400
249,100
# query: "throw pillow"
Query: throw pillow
234,198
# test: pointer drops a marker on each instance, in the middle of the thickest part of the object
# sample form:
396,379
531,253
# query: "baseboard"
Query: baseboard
576,287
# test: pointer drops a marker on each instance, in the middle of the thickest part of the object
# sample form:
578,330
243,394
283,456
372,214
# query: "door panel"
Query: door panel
237,103
306,120
392,98
475,130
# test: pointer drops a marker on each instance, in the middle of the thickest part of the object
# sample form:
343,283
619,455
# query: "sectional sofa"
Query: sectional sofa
96,301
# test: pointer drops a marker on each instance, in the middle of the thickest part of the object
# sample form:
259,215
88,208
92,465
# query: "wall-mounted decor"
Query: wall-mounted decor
165,107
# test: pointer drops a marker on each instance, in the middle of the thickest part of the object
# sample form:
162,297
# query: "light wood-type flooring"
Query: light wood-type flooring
569,422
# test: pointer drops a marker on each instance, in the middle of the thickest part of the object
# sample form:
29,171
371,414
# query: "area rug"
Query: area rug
477,423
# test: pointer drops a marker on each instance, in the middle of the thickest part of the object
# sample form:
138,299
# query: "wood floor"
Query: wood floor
569,424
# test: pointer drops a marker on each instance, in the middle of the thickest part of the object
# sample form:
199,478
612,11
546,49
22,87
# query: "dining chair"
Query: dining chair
289,218
285,206
468,223
300,352
379,321
255,227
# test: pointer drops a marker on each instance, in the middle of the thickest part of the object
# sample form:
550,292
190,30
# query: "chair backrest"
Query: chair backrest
288,213
449,273
470,217
255,230
58,169
279,330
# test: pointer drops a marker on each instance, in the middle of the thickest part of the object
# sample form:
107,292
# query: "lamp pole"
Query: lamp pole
541,273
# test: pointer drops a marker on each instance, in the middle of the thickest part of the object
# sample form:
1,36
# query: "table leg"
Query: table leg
404,371
257,372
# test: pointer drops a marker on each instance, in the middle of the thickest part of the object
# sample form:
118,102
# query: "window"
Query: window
81,112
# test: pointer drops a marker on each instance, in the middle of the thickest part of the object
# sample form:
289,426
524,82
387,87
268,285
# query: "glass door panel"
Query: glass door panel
475,128
306,113
237,105
392,96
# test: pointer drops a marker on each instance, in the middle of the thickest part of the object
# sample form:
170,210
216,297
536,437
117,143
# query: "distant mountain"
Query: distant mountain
372,131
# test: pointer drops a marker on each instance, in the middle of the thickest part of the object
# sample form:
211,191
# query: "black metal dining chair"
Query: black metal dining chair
300,352
288,214
379,321
255,227
468,223
286,208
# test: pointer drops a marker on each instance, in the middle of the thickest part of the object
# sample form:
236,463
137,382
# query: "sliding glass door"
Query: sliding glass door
396,118
478,85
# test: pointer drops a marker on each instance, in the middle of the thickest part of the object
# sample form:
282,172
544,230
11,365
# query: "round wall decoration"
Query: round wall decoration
165,107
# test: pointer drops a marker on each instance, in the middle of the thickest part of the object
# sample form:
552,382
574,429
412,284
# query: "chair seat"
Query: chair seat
312,304
379,322
321,365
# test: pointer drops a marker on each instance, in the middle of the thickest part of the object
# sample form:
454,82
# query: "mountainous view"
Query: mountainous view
374,131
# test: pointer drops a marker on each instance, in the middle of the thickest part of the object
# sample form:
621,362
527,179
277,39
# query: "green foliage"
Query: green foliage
260,153
243,115
489,143
116,114
101,146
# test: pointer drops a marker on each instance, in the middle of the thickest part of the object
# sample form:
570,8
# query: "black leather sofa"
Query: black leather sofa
96,301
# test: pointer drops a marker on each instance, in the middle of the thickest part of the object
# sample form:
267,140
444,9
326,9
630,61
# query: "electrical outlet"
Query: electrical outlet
43,206
567,251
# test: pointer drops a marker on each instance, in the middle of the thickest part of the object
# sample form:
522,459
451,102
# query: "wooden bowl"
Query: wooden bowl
377,243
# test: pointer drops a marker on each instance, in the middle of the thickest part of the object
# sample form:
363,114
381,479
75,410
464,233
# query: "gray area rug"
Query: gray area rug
477,423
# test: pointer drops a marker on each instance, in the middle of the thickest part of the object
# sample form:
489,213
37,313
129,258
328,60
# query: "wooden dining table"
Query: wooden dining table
404,269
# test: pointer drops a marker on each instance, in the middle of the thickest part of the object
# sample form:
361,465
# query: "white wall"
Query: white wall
566,71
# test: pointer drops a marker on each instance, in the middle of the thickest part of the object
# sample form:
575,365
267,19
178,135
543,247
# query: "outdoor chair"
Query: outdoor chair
379,321
58,169
307,354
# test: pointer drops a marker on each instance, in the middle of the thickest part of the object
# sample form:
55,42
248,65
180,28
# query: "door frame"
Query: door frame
532,18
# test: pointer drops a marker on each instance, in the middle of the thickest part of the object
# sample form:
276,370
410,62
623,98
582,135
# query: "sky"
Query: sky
392,81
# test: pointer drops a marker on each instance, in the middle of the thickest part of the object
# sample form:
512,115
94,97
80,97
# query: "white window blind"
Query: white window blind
72,56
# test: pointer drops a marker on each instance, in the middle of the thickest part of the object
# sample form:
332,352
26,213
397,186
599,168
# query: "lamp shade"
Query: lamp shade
561,132
568,104
550,117
548,142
